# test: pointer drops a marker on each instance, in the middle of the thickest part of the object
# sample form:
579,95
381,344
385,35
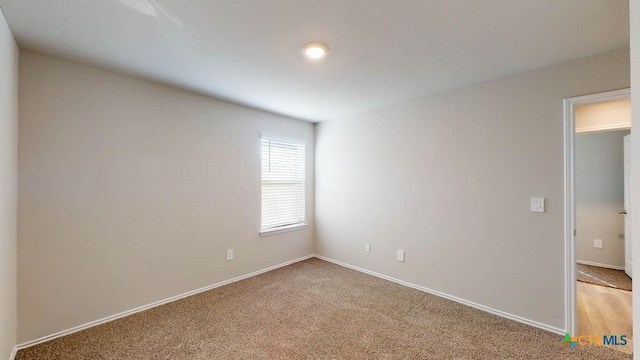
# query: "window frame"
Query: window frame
291,227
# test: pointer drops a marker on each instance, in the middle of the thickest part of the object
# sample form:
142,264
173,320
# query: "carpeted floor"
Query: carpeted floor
616,279
313,310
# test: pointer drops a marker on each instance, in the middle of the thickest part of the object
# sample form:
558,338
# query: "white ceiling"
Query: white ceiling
382,51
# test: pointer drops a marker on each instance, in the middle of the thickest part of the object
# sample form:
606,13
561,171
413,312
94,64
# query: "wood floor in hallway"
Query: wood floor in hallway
605,311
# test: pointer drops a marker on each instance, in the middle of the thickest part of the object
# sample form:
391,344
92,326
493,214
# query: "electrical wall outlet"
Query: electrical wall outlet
367,248
597,243
400,255
229,254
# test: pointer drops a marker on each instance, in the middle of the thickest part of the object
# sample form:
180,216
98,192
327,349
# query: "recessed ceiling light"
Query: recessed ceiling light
315,50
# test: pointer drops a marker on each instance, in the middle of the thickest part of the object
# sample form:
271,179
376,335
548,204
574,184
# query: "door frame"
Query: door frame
569,196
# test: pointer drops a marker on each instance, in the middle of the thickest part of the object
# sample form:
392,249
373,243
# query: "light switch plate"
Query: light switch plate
537,204
597,243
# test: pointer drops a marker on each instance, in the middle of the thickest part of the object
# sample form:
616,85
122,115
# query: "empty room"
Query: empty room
339,179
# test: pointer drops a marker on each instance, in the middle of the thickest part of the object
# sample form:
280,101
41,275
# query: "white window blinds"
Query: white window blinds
283,188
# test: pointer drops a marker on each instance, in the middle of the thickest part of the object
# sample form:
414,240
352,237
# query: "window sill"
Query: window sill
282,229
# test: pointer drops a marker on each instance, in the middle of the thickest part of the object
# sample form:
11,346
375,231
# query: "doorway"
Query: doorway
597,247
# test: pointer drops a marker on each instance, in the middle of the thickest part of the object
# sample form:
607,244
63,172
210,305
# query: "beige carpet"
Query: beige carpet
616,279
313,310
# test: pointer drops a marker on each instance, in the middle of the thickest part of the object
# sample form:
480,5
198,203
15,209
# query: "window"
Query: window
283,186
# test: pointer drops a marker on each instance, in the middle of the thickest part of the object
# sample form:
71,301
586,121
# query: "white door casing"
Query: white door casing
569,197
628,263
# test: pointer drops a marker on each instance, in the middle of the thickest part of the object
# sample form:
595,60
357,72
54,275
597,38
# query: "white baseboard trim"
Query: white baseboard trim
12,356
450,297
615,267
149,306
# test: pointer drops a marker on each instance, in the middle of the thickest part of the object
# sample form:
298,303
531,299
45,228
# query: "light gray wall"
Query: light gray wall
8,186
130,192
634,24
448,178
599,195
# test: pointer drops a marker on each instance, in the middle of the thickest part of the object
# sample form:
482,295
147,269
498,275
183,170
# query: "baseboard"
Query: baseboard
149,306
12,356
450,297
615,267
242,277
